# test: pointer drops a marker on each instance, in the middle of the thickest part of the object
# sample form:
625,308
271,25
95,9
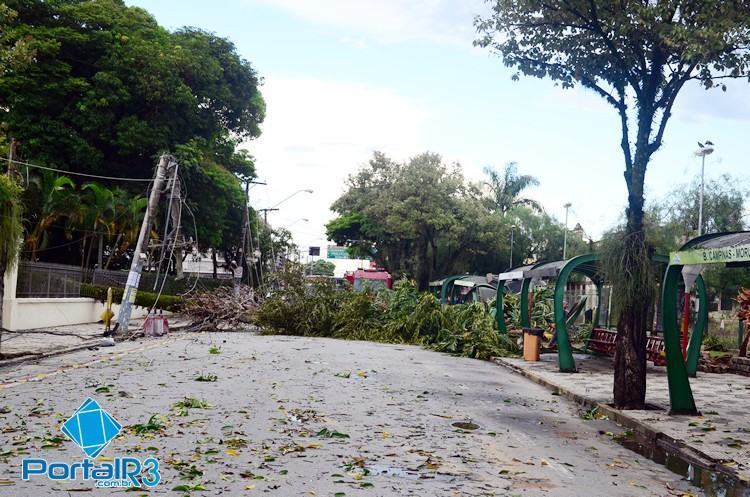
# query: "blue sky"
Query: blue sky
345,77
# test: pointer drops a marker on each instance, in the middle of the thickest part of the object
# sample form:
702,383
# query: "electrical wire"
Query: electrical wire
195,228
73,173
174,241
167,220
260,252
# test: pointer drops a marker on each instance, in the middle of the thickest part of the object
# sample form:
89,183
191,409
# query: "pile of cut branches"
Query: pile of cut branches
222,308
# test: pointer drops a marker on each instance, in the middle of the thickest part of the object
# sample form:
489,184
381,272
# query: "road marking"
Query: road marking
66,368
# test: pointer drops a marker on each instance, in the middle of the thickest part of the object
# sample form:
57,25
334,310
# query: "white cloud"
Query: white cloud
316,134
392,21
695,103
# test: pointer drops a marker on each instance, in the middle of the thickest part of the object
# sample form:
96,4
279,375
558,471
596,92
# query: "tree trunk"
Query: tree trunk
113,250
2,295
215,263
630,347
423,266
743,345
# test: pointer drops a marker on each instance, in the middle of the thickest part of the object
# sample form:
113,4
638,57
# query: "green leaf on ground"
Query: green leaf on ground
326,433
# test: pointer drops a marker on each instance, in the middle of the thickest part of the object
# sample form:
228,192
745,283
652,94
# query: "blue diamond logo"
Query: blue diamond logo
91,428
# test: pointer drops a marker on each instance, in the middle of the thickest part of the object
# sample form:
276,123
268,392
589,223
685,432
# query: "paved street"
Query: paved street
316,417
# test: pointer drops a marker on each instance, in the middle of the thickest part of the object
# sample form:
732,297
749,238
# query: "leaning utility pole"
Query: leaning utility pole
139,254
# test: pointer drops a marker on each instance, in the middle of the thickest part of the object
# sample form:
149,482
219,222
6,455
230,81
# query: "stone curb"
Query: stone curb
43,355
642,431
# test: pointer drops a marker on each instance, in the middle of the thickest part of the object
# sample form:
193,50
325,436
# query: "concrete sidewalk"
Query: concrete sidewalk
719,439
19,346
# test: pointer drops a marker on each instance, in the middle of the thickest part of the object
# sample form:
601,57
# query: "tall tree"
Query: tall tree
637,56
723,206
108,89
506,188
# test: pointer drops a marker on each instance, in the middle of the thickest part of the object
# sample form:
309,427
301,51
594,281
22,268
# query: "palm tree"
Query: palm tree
127,222
506,186
98,214
52,198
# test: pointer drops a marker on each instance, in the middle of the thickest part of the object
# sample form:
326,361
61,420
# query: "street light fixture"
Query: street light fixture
512,228
567,206
704,150
304,190
302,219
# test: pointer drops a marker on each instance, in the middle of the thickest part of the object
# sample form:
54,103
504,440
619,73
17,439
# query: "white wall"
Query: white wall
30,313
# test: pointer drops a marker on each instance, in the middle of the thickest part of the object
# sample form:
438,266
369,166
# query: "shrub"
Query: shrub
718,343
142,299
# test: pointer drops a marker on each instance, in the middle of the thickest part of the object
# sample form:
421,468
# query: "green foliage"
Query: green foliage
626,264
402,315
542,308
206,377
10,222
110,88
471,332
675,218
320,267
719,343
14,54
142,299
155,424
507,186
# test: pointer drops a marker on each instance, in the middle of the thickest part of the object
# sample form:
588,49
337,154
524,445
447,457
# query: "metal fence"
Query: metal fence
49,280
45,279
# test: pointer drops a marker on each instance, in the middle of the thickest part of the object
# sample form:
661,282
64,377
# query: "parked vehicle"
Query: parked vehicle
374,279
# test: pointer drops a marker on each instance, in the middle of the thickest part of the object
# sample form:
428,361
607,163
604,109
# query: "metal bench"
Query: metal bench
603,342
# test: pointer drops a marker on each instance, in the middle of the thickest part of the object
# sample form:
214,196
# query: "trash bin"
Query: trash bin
532,343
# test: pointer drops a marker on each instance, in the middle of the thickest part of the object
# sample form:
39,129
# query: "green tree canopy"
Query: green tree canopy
422,219
320,267
108,89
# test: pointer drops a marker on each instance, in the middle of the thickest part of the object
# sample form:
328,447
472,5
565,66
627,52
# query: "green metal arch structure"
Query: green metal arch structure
731,249
475,291
586,265
448,283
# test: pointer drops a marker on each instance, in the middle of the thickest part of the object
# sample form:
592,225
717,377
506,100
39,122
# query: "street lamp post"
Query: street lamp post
512,228
275,207
565,236
702,152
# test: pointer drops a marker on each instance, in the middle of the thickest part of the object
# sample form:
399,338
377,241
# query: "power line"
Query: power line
97,176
